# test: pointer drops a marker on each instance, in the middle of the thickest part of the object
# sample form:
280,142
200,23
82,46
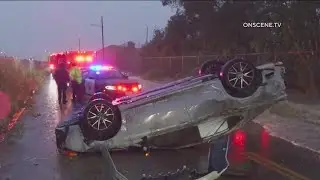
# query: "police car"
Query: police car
108,82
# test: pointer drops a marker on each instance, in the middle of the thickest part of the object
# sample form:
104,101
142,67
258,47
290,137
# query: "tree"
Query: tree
131,45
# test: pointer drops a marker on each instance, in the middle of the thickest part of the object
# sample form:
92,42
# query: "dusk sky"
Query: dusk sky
30,28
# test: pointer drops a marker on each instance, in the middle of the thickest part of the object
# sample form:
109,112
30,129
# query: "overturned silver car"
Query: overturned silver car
179,114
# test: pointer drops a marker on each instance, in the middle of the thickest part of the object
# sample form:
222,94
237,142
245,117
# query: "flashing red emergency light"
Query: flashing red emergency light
51,66
89,58
84,58
80,58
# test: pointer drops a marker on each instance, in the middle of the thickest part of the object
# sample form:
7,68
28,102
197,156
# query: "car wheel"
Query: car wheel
240,78
101,120
211,67
100,95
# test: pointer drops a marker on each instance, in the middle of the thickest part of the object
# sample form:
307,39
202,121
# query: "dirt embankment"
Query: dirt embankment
17,84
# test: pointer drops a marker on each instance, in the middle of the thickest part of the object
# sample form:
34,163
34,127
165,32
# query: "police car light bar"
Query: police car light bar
99,68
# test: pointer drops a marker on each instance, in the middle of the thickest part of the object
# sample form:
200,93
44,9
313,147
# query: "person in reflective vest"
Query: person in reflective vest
76,81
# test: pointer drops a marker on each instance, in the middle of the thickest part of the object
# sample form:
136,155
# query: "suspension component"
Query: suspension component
184,173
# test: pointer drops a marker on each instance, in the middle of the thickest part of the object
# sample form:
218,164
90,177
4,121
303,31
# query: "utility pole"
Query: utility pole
147,35
102,35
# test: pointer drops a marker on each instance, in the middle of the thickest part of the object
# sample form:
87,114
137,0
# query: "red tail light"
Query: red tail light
51,66
124,88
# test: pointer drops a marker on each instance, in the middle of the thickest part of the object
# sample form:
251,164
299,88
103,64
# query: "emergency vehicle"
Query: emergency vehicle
83,59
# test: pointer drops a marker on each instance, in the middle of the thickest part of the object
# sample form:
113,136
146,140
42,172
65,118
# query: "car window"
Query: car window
110,74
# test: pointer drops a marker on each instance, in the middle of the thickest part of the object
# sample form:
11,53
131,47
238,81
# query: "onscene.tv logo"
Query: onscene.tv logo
261,25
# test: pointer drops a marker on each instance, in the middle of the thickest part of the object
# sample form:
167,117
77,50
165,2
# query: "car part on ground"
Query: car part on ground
217,164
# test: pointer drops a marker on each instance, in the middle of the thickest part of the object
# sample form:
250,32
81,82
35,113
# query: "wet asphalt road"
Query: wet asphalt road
30,153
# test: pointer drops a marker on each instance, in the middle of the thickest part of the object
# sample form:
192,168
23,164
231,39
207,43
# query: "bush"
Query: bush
18,83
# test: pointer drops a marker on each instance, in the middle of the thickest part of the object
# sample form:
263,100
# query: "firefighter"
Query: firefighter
61,77
76,81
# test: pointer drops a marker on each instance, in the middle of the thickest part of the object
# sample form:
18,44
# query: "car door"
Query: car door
89,83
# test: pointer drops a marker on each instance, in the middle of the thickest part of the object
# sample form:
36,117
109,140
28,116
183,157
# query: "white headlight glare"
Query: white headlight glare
110,87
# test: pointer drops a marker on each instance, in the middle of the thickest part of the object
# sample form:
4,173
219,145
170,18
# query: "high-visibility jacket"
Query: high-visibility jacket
76,75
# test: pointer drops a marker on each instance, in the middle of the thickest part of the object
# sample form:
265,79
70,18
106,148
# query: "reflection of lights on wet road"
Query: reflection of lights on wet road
265,143
52,100
239,138
5,105
52,89
238,146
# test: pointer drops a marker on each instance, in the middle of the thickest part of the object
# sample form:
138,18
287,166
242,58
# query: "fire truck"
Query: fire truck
83,59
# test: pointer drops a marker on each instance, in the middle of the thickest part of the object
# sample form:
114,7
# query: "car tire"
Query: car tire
211,67
94,128
100,95
240,78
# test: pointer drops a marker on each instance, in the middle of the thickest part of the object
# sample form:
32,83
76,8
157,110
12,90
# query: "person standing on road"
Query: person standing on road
61,77
76,81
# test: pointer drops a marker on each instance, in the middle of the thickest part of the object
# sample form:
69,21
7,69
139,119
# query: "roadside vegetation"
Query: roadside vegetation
17,83
216,28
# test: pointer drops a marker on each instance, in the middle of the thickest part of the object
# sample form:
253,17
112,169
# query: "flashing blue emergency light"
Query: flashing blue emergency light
99,68
96,68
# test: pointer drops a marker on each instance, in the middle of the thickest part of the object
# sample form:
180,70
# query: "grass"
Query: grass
155,75
18,83
163,74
